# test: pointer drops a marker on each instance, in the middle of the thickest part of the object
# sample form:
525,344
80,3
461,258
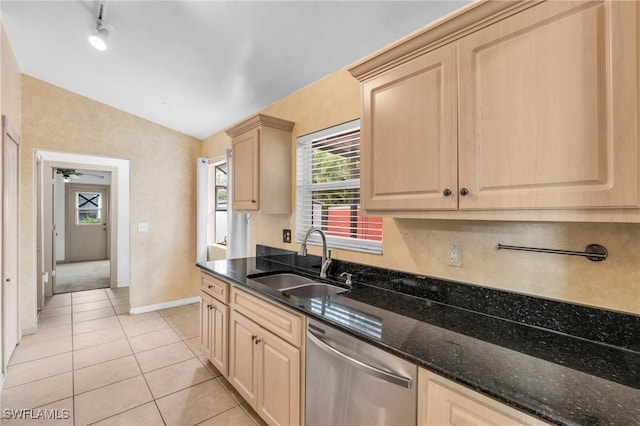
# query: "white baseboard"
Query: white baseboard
165,305
28,331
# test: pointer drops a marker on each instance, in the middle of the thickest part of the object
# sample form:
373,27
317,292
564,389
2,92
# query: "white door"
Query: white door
87,223
10,279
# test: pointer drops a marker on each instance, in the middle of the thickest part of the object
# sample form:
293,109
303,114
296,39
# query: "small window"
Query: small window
88,208
221,187
218,203
328,190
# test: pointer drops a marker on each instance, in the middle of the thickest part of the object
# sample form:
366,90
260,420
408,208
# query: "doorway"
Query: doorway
61,171
82,220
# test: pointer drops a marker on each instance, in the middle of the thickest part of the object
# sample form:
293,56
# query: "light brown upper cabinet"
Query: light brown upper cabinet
507,107
410,153
261,165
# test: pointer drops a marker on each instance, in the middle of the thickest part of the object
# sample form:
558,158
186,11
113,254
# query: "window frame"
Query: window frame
213,208
305,189
80,209
217,168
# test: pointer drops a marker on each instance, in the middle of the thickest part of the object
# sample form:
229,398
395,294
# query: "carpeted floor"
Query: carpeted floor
79,276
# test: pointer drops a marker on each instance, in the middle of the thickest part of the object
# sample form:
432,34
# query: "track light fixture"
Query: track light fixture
99,38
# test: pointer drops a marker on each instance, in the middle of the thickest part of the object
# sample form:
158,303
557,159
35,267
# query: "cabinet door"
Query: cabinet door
205,333
287,325
409,144
219,316
548,109
279,382
246,170
444,403
243,374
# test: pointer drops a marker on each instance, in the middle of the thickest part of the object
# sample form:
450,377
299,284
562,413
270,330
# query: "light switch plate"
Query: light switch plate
143,227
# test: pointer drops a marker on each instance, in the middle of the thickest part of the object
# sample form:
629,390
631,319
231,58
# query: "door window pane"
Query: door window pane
88,208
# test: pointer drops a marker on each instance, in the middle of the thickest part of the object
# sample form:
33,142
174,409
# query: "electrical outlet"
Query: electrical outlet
286,235
455,255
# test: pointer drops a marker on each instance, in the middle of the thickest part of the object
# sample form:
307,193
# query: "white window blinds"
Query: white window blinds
328,190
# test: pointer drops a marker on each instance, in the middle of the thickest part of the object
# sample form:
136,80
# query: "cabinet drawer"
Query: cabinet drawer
215,287
280,322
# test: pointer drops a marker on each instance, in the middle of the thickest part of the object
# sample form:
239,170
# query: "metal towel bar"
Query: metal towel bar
593,252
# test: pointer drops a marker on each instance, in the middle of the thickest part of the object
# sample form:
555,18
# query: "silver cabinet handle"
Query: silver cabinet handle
366,368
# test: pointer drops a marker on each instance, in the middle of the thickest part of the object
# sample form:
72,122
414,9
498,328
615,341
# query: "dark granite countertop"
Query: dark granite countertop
561,378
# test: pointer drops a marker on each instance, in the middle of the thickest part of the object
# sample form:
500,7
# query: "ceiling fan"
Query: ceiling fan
74,174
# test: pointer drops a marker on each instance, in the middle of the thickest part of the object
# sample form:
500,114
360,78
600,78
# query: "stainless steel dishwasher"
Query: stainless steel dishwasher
350,382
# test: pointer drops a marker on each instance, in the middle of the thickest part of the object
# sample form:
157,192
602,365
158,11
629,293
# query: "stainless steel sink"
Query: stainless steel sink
284,280
298,286
313,290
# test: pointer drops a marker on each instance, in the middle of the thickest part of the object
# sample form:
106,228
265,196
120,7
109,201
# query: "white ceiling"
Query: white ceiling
200,66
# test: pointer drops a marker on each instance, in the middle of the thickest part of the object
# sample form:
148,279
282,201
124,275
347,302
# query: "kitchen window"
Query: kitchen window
328,190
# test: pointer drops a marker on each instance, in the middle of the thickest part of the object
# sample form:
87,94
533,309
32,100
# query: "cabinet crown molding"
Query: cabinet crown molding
258,120
443,31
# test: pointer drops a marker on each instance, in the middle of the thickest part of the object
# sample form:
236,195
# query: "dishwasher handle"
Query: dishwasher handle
369,369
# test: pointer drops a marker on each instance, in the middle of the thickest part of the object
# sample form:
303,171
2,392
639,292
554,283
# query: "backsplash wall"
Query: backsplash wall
421,246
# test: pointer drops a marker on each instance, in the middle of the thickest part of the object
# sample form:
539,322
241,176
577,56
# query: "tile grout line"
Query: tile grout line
182,339
117,414
119,381
153,398
73,369
195,356
43,378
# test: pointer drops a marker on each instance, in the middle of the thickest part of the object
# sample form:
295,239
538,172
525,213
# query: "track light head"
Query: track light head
99,38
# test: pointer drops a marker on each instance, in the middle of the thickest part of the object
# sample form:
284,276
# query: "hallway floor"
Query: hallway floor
94,363
79,276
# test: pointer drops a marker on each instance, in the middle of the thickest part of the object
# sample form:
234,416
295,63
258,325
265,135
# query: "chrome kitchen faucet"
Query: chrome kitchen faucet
326,260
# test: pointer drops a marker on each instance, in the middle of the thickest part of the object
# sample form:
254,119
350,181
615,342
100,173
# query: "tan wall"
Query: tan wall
420,246
163,182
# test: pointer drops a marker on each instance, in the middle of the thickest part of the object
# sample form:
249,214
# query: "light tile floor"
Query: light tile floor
92,363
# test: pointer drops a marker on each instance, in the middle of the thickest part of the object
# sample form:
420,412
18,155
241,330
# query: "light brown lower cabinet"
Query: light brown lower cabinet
442,402
257,345
219,337
265,362
205,333
214,319
265,370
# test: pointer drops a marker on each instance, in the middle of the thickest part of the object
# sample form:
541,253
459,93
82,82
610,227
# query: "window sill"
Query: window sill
218,246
